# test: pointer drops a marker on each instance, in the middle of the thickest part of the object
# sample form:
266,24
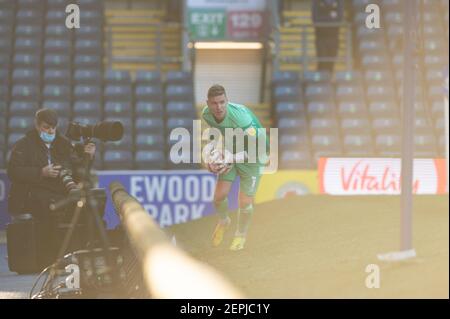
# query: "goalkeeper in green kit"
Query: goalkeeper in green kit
230,163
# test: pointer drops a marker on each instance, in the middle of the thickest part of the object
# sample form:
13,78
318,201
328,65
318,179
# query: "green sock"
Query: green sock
244,218
222,208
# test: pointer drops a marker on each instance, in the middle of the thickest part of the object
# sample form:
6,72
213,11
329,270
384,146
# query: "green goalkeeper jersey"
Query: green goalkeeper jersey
239,116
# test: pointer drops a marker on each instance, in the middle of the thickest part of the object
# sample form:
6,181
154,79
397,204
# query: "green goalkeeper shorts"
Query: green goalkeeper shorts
250,176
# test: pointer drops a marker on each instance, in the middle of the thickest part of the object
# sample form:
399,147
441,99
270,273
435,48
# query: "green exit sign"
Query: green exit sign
207,23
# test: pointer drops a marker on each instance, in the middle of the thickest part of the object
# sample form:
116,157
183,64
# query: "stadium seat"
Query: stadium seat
58,31
374,77
148,109
148,78
87,108
22,108
24,31
422,125
28,92
319,92
179,78
300,159
355,126
352,110
117,77
87,76
173,123
286,93
149,125
349,93
281,78
27,45
386,125
118,108
26,76
292,125
150,142
58,61
20,124
83,46
22,60
425,146
57,76
56,16
87,93
289,109
294,141
316,77
89,32
179,93
57,92
118,160
384,109
358,145
319,109
388,145
147,92
118,92
87,61
324,126
61,107
180,109
150,160
56,46
380,93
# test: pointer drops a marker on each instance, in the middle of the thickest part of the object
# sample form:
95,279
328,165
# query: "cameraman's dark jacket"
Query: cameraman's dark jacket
29,190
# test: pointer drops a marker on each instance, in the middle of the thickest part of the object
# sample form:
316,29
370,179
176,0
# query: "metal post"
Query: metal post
410,39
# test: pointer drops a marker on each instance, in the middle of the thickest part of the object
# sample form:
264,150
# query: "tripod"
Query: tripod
85,200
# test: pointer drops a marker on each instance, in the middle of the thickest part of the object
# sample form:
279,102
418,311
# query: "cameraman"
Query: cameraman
34,171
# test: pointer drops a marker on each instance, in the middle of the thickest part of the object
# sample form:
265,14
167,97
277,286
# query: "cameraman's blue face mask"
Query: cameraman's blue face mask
46,137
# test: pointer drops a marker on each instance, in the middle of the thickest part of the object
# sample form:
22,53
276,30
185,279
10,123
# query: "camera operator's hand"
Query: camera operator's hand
90,149
50,171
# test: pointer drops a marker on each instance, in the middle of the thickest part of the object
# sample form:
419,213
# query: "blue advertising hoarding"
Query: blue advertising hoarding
170,197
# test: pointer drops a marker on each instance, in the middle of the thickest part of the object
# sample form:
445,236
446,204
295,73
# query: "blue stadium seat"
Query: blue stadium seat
285,78
374,61
358,145
352,110
150,160
57,92
58,46
87,108
289,109
149,125
28,32
349,92
325,126
118,160
326,145
20,124
26,76
148,109
26,92
384,109
58,31
87,76
83,46
117,77
321,109
291,93
61,107
180,109
425,146
118,108
386,125
374,77
88,61
292,125
316,76
87,93
150,141
57,76
388,145
179,77
29,17
355,126
58,61
294,141
148,77
22,60
56,16
300,159
117,92
89,32
381,93
319,92
372,47
179,93
149,93
173,123
22,108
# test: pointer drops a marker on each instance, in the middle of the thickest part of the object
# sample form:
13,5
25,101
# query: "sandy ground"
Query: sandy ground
319,247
